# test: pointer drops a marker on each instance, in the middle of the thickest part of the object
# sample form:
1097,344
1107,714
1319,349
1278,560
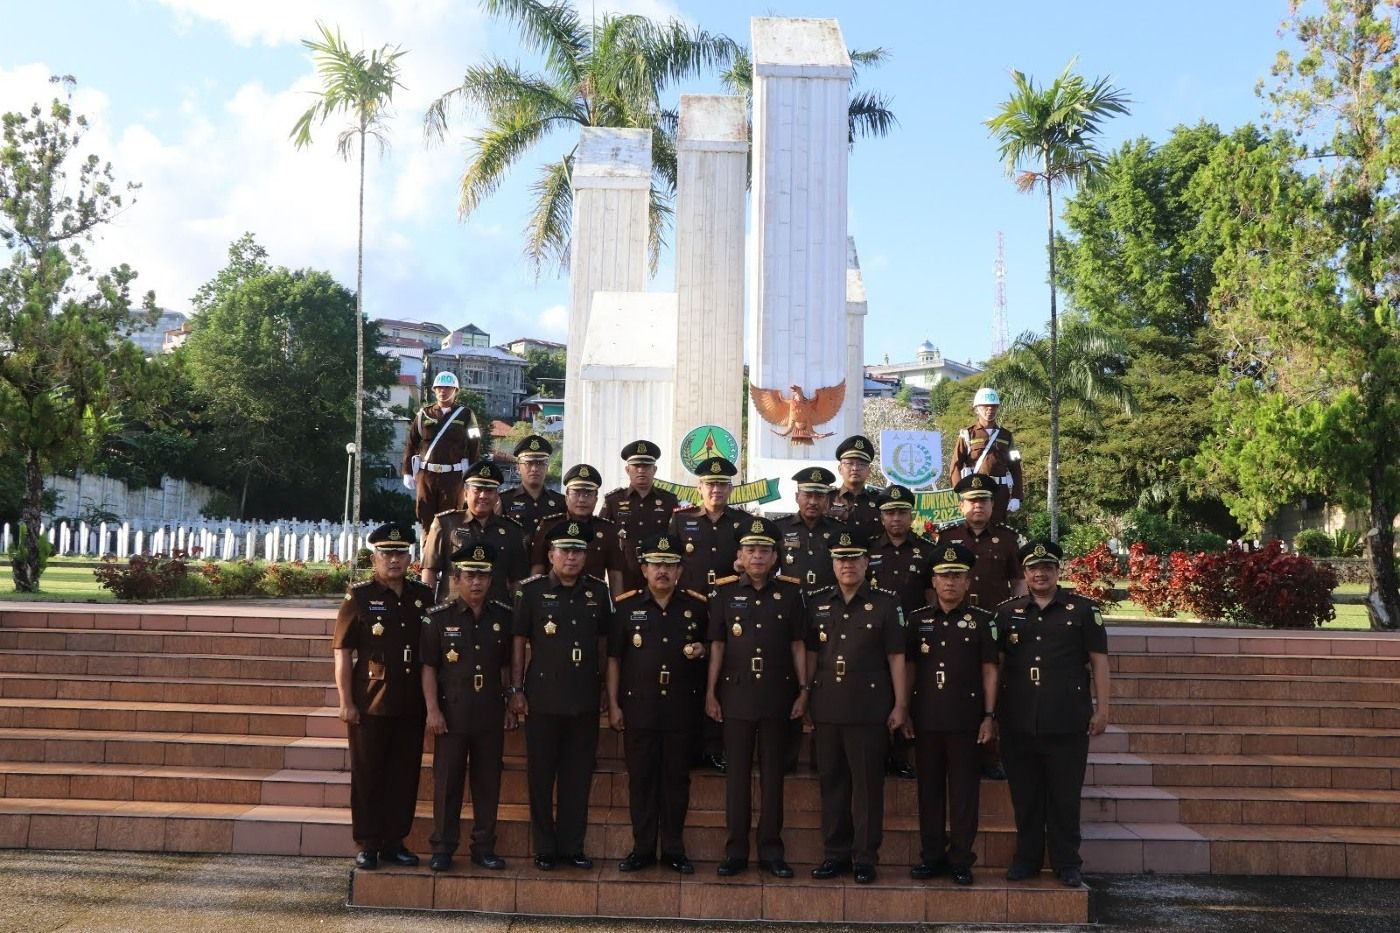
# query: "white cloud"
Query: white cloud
553,322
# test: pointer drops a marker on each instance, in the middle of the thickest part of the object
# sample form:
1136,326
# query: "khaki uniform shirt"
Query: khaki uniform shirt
757,679
905,570
948,650
710,545
563,624
853,641
998,564
660,687
452,530
517,505
1045,682
384,631
469,652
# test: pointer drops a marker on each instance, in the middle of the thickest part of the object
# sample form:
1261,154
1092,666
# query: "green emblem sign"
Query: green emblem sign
706,441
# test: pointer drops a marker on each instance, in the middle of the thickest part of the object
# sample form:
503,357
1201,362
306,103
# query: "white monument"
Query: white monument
798,326
608,250
856,309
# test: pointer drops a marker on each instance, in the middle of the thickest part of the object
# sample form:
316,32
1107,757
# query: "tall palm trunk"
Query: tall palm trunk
359,341
1052,483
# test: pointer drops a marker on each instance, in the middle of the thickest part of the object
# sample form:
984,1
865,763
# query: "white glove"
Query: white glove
408,482
1013,505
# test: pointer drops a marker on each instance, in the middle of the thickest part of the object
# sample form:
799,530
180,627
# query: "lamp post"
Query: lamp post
346,535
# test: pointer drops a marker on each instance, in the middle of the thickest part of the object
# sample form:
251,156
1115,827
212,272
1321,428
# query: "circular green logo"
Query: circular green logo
706,441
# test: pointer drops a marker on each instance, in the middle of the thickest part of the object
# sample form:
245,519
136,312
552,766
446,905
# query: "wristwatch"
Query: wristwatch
513,689
992,716
805,688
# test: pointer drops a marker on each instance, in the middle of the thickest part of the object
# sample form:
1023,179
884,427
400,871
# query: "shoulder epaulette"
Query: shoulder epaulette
447,512
1008,601
783,577
700,596
498,602
538,576
628,595
829,588
729,579
598,518
621,490
513,521
589,576
551,517
446,603
356,586
881,589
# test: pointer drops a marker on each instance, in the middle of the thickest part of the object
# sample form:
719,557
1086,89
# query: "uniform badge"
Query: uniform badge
962,623
996,540
689,547
377,628
495,626
636,639
869,606
1015,638
1069,605
452,655
736,630
686,614
787,558
550,628
923,648
967,618
418,604
587,594
821,636
1098,618
347,597
777,595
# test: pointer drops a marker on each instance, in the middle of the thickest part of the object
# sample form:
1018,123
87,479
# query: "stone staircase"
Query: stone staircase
207,728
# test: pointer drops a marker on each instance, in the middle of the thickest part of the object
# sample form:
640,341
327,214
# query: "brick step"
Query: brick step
248,617
1229,687
1130,712
96,746
164,642
1211,639
137,664
166,690
172,717
1294,806
520,889
1145,739
1256,665
1322,771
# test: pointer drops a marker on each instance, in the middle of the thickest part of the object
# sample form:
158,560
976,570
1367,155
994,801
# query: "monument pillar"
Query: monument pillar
608,247
856,309
712,155
798,321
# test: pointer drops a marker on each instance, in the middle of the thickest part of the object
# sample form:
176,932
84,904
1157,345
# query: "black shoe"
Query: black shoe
399,856
635,862
865,874
713,761
368,859
732,866
545,862
993,771
777,868
1072,877
440,861
577,860
830,868
962,875
678,864
926,870
895,768
1018,872
490,860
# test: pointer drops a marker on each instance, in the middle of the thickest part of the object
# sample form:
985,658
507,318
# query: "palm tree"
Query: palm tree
869,113
1047,138
609,72
1088,370
361,85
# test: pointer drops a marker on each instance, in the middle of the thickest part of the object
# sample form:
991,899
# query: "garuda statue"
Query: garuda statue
799,415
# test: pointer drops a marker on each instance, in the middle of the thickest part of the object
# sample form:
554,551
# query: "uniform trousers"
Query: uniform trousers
771,738
658,787
851,771
949,782
458,757
1045,772
437,492
560,754
386,753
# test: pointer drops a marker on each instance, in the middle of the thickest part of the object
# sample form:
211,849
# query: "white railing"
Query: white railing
207,539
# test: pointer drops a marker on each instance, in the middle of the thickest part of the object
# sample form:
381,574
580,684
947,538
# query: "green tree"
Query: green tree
1047,138
361,85
545,373
1308,287
610,72
62,373
274,354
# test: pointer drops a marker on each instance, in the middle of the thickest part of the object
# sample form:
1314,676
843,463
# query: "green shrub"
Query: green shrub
1313,542
1038,526
1081,539
1346,543
1207,542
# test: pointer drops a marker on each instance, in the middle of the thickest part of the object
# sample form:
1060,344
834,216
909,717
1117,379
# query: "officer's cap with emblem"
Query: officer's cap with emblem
1040,552
975,486
715,470
953,558
533,448
814,479
390,536
847,548
477,556
581,476
758,530
484,474
897,497
570,535
856,447
659,549
643,452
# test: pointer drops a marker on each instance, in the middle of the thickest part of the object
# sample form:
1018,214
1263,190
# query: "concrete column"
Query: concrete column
712,155
797,307
608,249
856,310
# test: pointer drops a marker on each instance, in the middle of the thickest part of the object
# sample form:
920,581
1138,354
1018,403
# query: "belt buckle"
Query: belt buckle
576,655
1035,675
940,678
840,668
811,576
478,681
756,665
710,578
665,678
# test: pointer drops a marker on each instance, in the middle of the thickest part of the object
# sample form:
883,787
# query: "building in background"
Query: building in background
521,346
428,333
497,375
927,370
151,338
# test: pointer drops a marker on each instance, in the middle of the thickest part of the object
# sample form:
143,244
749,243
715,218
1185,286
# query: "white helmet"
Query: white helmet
445,379
986,396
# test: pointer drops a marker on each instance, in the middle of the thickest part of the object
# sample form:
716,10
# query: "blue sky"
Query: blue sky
194,99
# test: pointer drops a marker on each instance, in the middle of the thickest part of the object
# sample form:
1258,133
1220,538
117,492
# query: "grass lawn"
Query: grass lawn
59,584
1349,615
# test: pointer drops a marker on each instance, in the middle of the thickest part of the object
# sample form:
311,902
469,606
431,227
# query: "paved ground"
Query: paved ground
106,892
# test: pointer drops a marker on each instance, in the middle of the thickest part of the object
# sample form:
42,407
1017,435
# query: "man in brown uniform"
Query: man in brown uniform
531,500
855,664
856,504
997,575
807,535
466,669
640,509
656,687
605,559
989,449
377,634
756,687
479,521
443,439
951,655
562,617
